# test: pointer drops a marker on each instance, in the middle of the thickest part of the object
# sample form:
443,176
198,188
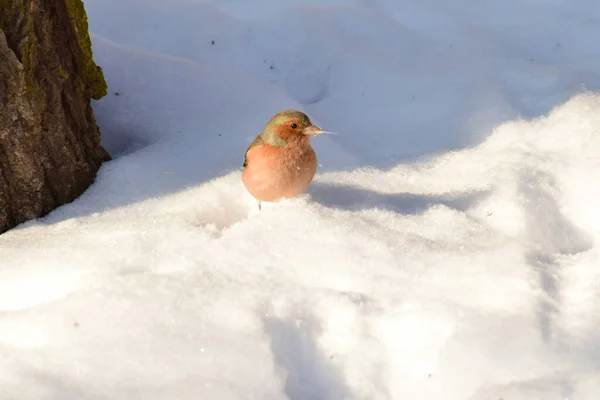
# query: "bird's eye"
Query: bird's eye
294,126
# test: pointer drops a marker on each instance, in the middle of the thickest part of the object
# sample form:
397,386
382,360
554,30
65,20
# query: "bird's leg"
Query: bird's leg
259,204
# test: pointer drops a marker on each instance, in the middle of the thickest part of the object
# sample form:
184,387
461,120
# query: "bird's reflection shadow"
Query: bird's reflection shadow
353,198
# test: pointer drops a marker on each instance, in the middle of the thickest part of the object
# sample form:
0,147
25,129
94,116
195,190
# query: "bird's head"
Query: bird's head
289,126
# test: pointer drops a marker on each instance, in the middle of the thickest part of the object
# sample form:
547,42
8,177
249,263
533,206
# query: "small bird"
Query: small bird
280,162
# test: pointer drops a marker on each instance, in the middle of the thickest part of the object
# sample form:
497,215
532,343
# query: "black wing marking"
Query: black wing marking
258,141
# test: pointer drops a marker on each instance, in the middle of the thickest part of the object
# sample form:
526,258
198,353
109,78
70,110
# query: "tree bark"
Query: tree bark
50,147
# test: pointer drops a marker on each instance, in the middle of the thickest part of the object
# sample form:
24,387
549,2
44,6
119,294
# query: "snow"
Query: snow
447,248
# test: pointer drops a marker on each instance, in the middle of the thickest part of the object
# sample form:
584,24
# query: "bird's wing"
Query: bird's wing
257,142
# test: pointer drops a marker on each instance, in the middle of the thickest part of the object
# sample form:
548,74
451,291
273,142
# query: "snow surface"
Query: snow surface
447,249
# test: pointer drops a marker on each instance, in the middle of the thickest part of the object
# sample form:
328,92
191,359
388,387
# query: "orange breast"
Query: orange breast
273,173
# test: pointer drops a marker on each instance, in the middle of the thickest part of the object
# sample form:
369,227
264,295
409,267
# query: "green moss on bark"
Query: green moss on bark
9,9
12,11
6,11
92,74
29,60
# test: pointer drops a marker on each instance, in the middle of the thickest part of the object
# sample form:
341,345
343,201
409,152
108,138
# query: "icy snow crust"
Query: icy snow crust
447,249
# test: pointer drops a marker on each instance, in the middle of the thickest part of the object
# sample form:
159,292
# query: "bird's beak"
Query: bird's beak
312,130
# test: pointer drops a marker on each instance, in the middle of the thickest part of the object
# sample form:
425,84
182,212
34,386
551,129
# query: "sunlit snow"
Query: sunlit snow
447,249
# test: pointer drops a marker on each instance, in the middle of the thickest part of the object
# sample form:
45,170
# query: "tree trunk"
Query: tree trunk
50,147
